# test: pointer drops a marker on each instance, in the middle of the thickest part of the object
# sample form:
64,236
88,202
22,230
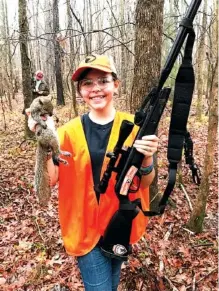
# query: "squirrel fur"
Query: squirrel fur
47,142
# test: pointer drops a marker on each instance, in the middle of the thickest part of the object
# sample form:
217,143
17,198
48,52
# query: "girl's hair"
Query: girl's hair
84,74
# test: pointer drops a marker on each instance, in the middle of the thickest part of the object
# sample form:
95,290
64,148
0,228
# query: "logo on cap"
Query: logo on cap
90,59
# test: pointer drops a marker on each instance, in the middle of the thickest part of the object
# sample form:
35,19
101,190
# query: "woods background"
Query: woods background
54,36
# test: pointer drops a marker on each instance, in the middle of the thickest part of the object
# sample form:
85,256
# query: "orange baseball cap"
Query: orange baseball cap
99,62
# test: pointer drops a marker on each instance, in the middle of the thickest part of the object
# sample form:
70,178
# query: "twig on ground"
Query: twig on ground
35,218
203,245
155,196
209,273
40,233
193,283
26,197
161,264
166,237
141,285
188,230
187,196
171,284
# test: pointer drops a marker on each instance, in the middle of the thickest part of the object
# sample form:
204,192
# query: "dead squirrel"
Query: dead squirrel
47,142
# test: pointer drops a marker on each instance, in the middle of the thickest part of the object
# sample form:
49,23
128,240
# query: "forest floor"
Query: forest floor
168,257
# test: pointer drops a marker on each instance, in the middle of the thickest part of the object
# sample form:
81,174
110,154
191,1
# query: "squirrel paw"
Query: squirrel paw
57,158
62,161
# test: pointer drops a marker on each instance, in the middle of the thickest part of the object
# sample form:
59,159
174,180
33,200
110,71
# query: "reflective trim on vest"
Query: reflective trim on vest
82,220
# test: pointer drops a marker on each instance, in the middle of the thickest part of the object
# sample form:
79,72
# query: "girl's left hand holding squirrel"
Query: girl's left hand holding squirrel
31,122
148,145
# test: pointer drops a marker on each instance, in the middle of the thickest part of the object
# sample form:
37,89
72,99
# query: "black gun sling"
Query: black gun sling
115,242
188,151
184,87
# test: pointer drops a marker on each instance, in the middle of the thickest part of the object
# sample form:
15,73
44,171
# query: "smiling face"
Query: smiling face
97,89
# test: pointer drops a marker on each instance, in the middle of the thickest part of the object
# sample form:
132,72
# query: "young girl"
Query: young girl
84,214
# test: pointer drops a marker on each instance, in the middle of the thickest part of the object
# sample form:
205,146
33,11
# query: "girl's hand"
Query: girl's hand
148,145
31,122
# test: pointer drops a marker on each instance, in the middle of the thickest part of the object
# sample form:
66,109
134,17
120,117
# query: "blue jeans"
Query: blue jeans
99,273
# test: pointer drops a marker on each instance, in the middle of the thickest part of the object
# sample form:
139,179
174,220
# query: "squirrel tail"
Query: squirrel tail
41,179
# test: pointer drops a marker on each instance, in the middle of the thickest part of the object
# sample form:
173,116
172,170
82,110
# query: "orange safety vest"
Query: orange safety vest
82,219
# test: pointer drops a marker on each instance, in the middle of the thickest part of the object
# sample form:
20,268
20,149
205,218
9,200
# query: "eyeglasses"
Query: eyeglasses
88,84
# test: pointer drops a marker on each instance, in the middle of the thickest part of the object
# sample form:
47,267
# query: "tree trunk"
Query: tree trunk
201,65
149,24
49,58
72,58
123,49
90,25
196,221
6,82
25,61
10,77
57,51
